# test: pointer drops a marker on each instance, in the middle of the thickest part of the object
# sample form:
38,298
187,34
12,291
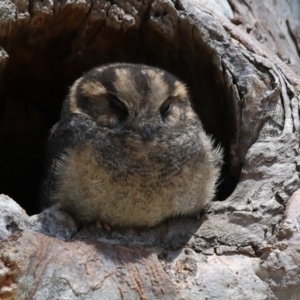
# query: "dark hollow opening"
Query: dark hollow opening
40,70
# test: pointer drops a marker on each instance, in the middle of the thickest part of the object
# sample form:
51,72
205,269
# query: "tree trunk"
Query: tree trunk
240,60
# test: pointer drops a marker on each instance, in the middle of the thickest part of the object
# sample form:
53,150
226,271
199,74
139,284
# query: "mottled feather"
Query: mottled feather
129,150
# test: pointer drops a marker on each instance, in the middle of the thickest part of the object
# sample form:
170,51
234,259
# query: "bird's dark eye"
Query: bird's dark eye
117,105
166,107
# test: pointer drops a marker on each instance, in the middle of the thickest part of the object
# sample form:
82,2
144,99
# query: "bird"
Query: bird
129,150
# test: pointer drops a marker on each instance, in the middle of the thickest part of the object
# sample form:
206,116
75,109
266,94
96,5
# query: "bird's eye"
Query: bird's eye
117,105
166,107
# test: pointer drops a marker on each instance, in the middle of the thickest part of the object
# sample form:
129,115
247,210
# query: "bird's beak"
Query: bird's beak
148,132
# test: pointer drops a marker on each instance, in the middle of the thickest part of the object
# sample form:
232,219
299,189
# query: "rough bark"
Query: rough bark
240,59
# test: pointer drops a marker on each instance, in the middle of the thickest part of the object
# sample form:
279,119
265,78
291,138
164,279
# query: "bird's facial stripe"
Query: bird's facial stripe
180,91
73,97
93,89
157,81
103,68
141,80
125,87
157,85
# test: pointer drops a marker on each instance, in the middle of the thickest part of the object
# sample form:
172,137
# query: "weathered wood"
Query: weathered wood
242,72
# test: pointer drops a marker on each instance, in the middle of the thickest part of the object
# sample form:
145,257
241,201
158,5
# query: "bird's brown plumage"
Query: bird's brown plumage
129,150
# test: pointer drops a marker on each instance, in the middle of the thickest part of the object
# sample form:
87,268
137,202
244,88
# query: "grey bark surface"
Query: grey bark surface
245,247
